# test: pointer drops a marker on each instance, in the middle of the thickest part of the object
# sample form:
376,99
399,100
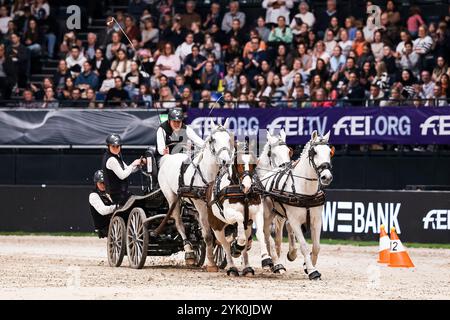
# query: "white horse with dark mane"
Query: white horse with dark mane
295,194
217,151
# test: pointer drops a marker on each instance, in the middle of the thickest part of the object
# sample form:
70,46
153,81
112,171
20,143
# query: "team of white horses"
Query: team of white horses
306,177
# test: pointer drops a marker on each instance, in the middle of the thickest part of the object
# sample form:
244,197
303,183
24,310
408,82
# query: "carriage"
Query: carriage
141,227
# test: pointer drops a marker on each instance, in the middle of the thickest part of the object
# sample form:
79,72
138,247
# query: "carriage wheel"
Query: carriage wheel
137,238
220,257
200,254
117,235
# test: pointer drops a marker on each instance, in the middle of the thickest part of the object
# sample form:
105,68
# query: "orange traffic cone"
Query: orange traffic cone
398,258
384,250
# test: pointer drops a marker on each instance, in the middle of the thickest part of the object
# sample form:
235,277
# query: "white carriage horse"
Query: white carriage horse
218,150
296,191
275,154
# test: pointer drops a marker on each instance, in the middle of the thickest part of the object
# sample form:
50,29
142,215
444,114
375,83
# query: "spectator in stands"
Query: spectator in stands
108,83
59,77
149,35
76,100
445,85
211,47
91,46
4,19
32,38
375,97
66,93
437,98
87,79
144,98
195,60
75,61
337,61
121,65
440,69
114,46
377,46
206,101
214,16
209,77
263,31
427,86
324,17
303,16
131,29
354,92
190,15
329,41
234,13
100,65
186,47
166,99
50,101
415,20
277,8
117,96
133,80
409,58
28,101
8,78
19,56
236,32
168,62
282,33
91,98
395,99
320,99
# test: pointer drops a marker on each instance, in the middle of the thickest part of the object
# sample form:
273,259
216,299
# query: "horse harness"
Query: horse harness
234,192
197,192
282,197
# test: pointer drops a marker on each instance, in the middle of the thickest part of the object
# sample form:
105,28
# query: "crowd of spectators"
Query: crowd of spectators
291,57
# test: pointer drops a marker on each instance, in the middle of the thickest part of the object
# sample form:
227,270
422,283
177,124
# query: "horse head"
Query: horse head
277,150
245,166
319,154
221,142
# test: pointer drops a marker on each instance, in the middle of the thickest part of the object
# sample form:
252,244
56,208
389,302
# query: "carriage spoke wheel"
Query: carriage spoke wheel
200,254
220,257
117,234
137,238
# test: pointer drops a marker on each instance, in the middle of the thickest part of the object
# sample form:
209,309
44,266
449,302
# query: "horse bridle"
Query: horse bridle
312,153
279,143
212,141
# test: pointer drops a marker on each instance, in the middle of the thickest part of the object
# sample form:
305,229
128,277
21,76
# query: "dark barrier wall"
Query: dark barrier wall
348,214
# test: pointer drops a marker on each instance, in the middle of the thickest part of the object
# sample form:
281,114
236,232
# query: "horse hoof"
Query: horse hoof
212,269
304,268
248,272
279,269
291,258
189,257
233,272
314,275
267,263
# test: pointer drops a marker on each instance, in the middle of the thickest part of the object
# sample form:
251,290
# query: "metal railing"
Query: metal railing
220,103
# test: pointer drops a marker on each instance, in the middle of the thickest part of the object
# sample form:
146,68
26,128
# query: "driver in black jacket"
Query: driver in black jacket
116,171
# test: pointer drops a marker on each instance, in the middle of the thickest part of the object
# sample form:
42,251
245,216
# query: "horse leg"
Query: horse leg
235,216
292,254
259,220
207,236
279,225
316,228
248,270
296,226
276,267
220,235
189,252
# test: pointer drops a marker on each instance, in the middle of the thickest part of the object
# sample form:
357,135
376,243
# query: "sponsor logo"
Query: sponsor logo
371,126
299,126
437,220
358,217
241,126
439,126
